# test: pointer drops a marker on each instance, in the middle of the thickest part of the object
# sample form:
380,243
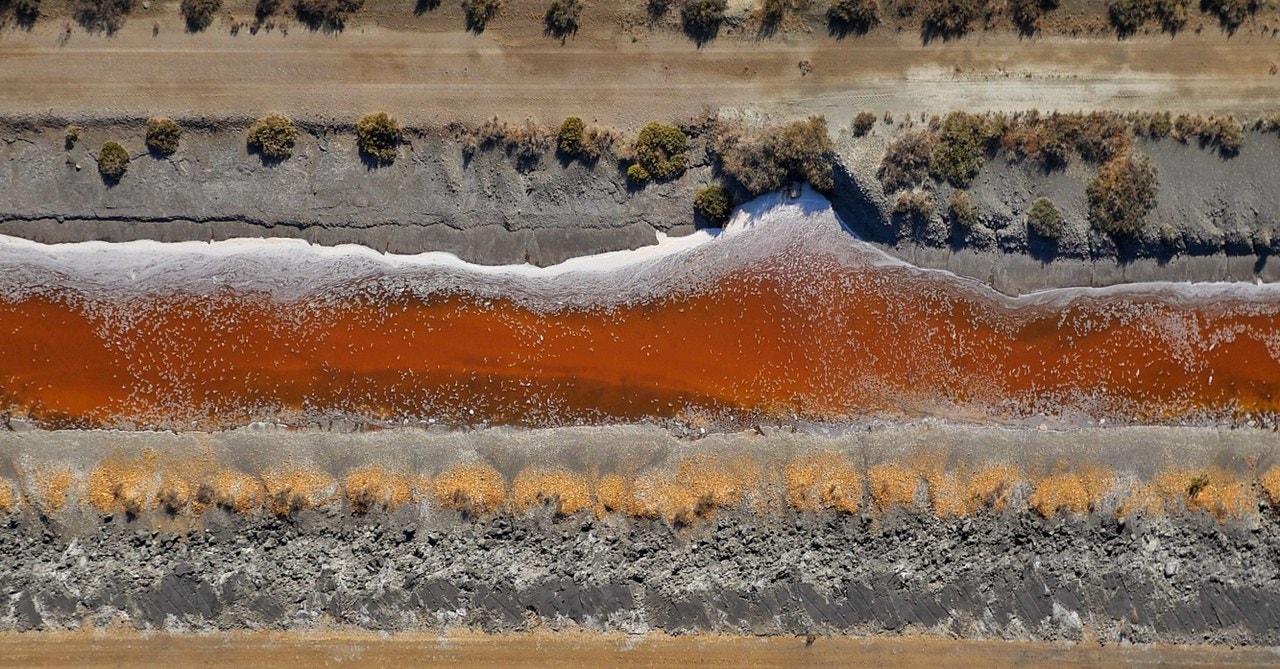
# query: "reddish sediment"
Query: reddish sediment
800,333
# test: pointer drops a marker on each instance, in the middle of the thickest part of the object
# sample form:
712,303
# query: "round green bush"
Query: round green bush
570,136
199,13
378,135
163,135
272,136
661,151
857,16
113,161
713,204
963,211
1045,219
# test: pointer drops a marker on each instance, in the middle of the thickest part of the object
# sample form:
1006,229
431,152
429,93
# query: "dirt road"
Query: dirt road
615,76
321,649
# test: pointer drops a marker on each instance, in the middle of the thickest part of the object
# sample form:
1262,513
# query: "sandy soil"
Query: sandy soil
429,70
307,650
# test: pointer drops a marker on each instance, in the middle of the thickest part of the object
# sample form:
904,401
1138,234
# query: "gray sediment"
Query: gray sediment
1216,219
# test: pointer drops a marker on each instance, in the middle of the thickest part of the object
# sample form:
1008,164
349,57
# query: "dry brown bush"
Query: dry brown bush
370,488
565,491
1075,492
825,481
893,485
473,488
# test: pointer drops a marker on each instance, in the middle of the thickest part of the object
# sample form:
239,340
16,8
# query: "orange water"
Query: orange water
811,337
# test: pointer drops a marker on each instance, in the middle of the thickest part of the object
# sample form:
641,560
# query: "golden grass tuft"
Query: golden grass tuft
893,485
8,499
1216,491
824,481
960,493
293,491
1075,492
613,495
700,485
53,488
474,488
1270,484
175,495
123,485
372,488
230,491
569,492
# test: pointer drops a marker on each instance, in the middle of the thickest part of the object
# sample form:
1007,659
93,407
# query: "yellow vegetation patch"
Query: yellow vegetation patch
476,488
175,494
289,492
8,500
230,491
373,487
52,488
118,484
1070,492
960,493
893,485
1216,491
700,485
825,481
613,495
569,492
1270,483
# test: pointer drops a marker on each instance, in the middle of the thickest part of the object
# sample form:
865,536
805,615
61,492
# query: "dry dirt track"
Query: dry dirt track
425,76
564,651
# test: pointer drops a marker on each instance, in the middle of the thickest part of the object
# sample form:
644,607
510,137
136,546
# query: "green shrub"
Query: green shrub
853,16
570,137
113,161
479,13
272,136
906,161
948,18
961,149
701,18
963,211
914,206
378,135
1045,219
772,11
325,14
102,15
71,136
25,11
163,135
265,8
774,157
198,14
1026,14
1121,195
661,153
713,204
1127,16
561,19
1230,13
863,123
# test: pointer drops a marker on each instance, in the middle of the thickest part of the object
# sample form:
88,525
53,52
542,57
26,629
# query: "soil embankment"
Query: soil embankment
936,530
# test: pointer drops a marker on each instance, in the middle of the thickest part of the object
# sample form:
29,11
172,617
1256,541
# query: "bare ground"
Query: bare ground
429,70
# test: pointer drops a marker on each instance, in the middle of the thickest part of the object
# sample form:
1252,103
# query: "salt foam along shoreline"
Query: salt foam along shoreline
289,268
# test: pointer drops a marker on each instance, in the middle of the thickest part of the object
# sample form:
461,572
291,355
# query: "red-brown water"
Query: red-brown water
802,332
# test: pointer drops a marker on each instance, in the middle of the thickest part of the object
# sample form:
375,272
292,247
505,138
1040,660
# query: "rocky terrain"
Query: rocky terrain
732,533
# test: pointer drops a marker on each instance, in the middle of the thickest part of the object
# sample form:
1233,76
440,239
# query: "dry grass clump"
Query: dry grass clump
1070,492
825,481
1270,483
565,491
1121,195
8,498
893,485
1224,134
576,141
175,495
700,485
614,494
370,488
526,142
52,488
957,493
768,159
906,161
229,490
290,492
474,488
1217,492
123,485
